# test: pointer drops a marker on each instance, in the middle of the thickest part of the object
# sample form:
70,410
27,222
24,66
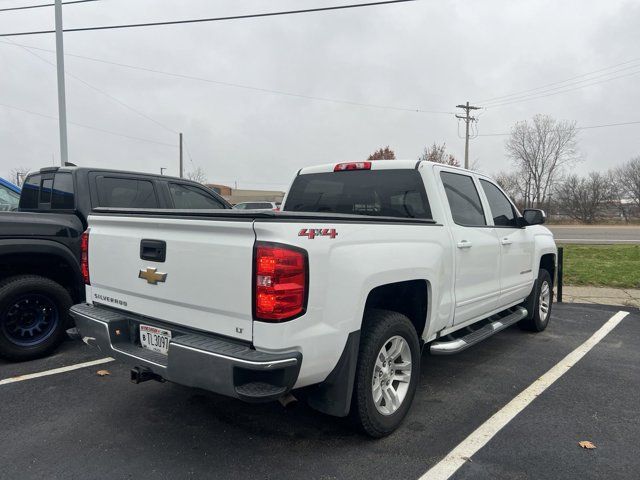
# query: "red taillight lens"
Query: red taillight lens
341,167
280,282
84,257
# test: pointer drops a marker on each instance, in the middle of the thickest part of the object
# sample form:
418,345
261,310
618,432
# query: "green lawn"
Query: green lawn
602,265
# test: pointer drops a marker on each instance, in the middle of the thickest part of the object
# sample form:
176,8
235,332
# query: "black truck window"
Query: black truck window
30,192
186,196
126,192
62,197
390,193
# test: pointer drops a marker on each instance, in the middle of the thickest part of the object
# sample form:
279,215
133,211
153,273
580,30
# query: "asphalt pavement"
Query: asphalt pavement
596,234
78,424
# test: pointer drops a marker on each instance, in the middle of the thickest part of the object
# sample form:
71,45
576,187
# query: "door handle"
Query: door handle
464,244
506,241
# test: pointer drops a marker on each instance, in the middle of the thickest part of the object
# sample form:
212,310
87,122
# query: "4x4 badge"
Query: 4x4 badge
312,233
152,276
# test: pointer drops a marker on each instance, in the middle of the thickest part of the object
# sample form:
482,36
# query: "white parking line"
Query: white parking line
21,378
485,432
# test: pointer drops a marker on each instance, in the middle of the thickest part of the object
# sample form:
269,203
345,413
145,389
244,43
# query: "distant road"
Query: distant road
587,234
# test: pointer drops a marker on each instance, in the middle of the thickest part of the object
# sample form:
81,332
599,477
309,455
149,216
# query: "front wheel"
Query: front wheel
539,303
387,373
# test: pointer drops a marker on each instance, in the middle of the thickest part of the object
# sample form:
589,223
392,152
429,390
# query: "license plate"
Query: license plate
155,339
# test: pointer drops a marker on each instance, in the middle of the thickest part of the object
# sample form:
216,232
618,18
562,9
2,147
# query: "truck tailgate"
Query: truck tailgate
208,269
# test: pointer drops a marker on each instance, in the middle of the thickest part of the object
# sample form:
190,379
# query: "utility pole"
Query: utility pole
467,119
180,135
62,105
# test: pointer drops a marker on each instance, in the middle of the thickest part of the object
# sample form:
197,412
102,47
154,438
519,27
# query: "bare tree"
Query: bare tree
629,179
383,154
584,199
438,153
17,174
197,175
541,149
513,185
619,195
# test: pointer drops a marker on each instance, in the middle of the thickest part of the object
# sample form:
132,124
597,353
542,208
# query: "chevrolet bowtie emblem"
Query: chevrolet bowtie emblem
152,276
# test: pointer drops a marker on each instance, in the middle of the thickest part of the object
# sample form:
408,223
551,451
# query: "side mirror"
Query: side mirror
533,216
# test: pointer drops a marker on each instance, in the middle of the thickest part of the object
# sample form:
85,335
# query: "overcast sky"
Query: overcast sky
430,55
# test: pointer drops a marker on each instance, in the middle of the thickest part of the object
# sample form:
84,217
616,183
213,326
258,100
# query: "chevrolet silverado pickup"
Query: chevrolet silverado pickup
40,251
335,297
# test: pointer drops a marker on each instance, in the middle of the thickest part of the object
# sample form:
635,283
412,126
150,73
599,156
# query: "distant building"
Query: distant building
237,195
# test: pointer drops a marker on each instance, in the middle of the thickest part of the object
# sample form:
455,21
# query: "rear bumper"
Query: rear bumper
194,359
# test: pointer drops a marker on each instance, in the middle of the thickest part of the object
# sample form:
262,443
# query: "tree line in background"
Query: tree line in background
544,155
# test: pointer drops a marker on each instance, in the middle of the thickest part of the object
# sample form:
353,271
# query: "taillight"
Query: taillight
341,167
84,257
280,282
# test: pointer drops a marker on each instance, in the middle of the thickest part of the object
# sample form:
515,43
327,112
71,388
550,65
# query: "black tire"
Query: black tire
537,321
33,316
379,327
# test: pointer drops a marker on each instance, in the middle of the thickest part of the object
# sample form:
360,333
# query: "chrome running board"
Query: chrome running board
457,345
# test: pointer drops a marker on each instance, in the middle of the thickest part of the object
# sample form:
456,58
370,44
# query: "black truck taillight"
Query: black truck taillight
84,257
281,279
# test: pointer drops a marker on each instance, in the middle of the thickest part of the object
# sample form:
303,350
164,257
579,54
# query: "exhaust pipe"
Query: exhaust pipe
144,374
288,401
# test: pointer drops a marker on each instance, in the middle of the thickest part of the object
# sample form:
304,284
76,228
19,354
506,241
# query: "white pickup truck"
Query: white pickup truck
335,297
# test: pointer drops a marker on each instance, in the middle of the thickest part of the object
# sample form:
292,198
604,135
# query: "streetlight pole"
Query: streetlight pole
62,107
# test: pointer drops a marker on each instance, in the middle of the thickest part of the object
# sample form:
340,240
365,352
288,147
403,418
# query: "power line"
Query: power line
577,128
214,19
564,91
504,97
91,127
242,86
44,5
569,86
102,92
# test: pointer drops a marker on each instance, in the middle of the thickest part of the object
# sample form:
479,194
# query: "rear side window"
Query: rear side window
389,193
30,192
502,211
463,198
186,196
126,193
62,194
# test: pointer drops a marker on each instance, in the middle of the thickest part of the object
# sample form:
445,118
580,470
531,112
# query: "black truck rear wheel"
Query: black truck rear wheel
33,316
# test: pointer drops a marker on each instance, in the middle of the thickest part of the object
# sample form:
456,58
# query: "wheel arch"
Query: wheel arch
45,258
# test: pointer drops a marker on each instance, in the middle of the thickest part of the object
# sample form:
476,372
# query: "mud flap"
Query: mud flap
333,396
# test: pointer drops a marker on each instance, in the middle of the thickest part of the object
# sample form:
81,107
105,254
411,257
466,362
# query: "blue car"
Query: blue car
9,195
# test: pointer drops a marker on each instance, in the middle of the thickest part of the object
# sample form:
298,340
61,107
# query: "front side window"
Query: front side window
188,197
501,209
464,200
126,193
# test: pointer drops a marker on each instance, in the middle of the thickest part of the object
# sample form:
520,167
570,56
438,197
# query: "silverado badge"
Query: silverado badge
152,276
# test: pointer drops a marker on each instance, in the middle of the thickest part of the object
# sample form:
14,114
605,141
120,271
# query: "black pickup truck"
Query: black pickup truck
40,245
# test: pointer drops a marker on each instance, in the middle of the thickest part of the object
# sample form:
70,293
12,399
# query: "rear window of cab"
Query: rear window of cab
387,193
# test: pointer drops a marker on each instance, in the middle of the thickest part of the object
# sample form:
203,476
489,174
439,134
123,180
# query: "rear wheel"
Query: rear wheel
387,372
539,303
33,316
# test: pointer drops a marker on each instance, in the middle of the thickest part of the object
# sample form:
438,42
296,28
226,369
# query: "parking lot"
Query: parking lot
77,424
